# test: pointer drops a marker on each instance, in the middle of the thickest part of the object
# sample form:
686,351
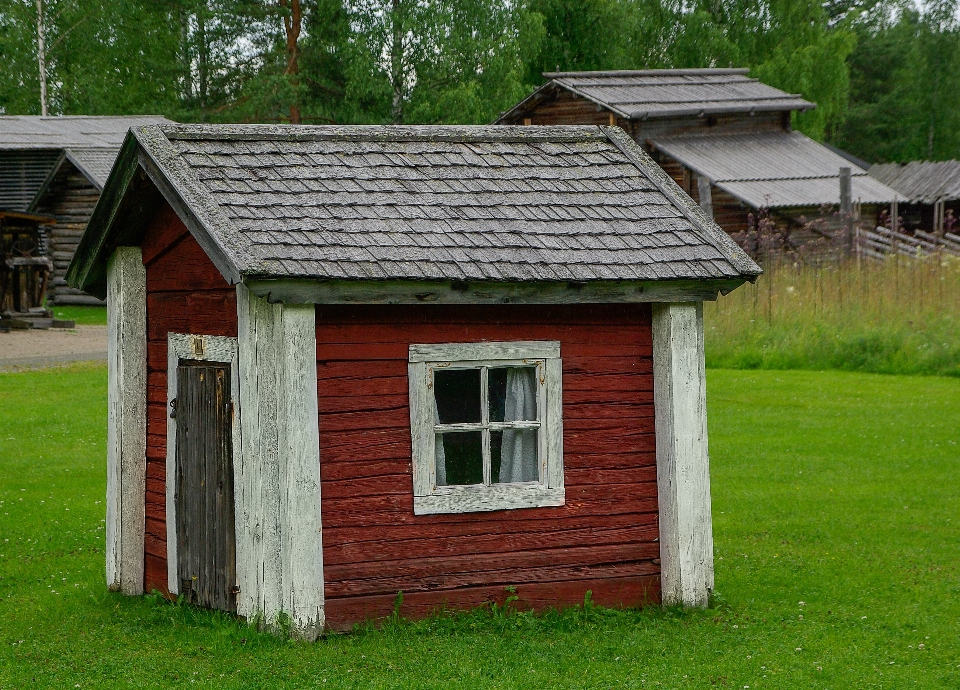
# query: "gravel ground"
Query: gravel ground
30,349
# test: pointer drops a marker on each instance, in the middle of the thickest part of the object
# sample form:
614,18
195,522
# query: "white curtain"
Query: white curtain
518,458
439,454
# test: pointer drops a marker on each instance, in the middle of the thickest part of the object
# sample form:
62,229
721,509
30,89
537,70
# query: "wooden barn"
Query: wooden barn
56,166
347,362
725,138
928,194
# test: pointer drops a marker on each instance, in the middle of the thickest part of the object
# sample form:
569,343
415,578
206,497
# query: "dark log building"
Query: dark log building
722,136
56,167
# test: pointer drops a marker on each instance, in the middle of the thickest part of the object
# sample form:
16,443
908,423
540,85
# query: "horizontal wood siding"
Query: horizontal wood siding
70,199
568,109
732,123
185,294
604,539
729,212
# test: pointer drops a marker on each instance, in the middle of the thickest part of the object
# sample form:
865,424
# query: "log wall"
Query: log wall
566,108
70,199
185,294
604,539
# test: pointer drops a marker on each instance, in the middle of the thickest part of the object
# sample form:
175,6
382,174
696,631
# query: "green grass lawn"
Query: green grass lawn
837,543
84,316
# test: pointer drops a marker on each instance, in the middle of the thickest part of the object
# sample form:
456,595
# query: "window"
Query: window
486,426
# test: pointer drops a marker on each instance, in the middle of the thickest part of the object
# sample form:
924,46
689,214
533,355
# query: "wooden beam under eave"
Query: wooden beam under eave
312,291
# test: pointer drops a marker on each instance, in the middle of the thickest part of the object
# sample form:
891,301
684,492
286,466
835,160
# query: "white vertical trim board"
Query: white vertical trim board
683,464
277,477
208,348
126,418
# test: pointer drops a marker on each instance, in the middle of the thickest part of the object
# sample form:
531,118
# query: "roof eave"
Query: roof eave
87,271
730,250
725,110
339,291
47,181
146,149
540,94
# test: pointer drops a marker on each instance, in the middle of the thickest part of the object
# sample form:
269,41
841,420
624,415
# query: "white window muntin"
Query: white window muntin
548,491
485,426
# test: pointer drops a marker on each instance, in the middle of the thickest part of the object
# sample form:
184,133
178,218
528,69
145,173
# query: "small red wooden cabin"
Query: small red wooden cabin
347,362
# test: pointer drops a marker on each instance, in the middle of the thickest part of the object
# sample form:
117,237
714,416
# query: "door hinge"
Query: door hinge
173,409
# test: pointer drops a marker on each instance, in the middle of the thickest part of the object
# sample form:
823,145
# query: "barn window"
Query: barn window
486,425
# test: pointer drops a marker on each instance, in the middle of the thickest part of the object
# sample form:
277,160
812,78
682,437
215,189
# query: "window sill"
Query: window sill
478,498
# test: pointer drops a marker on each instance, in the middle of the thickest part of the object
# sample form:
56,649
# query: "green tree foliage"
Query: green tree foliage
905,84
884,73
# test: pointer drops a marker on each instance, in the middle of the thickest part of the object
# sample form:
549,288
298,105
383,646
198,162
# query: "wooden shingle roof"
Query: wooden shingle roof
378,203
645,94
772,169
69,131
921,182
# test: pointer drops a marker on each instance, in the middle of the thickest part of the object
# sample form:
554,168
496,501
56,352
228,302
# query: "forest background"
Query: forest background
885,74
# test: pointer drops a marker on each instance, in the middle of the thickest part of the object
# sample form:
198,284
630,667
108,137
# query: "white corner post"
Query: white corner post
126,418
683,464
277,475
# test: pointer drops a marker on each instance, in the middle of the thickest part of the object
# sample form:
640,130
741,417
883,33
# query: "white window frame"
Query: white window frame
430,499
207,348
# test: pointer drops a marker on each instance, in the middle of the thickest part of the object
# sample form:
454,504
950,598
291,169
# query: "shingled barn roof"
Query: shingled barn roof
921,182
772,169
69,131
33,149
379,203
644,94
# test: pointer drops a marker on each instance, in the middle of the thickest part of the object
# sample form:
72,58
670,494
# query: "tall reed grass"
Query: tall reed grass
898,316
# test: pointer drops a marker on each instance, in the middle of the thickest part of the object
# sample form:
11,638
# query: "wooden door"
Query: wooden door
206,543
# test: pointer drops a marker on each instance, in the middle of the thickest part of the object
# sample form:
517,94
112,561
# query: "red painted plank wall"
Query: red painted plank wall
185,294
604,539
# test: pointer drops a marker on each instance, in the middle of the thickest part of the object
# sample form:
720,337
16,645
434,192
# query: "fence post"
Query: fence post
894,226
846,210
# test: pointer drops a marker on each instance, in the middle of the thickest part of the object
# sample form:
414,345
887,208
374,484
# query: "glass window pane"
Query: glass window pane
457,394
513,394
459,458
513,455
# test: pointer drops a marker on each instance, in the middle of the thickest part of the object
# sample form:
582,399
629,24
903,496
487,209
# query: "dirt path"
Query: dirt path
30,349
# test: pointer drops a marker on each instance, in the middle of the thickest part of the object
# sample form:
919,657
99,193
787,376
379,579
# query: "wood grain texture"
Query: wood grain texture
374,545
126,419
683,464
208,348
211,312
70,198
279,541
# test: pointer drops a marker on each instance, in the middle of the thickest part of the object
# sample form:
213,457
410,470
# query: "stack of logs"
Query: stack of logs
25,269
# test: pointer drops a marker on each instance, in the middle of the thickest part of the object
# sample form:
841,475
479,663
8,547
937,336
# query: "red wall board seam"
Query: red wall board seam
373,542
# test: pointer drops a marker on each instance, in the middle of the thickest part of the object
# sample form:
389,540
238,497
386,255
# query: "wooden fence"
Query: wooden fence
882,242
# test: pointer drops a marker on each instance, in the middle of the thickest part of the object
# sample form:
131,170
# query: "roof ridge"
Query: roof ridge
719,71
461,133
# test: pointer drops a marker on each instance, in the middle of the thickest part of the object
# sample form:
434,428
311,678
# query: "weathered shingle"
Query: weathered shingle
462,203
772,169
645,94
69,131
921,182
